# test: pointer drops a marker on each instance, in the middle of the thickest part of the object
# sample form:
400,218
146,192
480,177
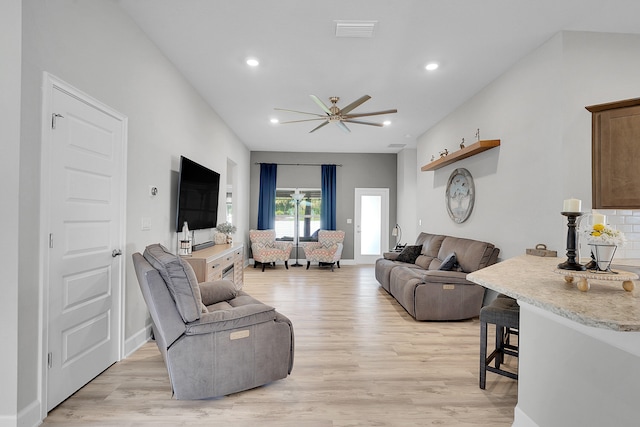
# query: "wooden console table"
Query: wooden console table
219,261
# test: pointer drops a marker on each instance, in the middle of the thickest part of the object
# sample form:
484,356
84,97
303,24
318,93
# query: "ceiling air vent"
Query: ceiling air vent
355,28
397,145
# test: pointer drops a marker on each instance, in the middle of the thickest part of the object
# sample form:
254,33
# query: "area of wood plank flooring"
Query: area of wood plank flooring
360,360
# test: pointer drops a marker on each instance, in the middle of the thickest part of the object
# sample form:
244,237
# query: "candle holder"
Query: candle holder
570,263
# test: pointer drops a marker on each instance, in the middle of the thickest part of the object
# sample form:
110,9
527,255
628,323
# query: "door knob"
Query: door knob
116,252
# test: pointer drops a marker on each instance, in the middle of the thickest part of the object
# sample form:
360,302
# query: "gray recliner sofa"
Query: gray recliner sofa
214,339
431,283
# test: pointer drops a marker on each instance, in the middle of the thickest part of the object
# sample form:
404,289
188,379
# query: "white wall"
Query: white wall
537,111
407,195
96,48
11,24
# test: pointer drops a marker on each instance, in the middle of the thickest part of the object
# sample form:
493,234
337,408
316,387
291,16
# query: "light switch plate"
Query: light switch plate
146,223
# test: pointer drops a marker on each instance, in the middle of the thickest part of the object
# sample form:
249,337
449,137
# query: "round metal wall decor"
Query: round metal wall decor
460,195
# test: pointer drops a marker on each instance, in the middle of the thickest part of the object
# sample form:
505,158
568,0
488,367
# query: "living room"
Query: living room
536,108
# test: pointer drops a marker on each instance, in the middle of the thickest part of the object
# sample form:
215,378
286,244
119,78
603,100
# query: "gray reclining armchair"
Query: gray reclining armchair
214,339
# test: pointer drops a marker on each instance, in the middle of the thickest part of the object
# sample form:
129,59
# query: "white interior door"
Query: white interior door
83,266
371,224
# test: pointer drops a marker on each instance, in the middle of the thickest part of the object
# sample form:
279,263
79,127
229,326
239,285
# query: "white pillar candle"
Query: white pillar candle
572,205
598,218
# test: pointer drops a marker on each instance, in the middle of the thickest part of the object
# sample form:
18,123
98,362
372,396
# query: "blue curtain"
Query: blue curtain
328,208
267,198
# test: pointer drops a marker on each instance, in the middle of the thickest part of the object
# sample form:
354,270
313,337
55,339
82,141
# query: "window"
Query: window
229,206
309,215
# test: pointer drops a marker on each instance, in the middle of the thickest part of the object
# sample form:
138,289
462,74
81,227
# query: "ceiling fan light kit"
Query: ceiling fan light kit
337,115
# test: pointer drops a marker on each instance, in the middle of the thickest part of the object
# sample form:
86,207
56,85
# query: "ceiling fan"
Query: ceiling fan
337,115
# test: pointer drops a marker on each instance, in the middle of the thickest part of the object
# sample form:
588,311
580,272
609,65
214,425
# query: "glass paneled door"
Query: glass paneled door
371,226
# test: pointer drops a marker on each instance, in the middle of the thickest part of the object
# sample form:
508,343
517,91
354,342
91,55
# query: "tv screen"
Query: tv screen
198,189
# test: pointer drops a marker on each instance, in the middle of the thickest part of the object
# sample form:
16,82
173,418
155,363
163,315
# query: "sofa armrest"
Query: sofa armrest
392,256
217,291
442,277
232,318
283,319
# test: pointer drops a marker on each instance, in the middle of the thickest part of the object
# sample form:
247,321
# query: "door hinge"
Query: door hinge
50,240
49,360
54,116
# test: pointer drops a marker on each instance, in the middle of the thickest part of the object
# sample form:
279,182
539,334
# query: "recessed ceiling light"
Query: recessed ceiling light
431,66
252,62
274,121
386,122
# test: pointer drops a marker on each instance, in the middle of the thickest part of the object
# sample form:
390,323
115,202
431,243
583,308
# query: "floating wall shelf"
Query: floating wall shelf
463,153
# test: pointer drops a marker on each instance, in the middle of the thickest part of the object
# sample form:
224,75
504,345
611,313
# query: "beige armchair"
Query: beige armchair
327,250
266,250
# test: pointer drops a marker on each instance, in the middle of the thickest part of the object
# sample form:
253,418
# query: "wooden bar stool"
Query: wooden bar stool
504,312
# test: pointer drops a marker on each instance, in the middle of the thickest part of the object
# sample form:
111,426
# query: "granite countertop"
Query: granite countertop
531,279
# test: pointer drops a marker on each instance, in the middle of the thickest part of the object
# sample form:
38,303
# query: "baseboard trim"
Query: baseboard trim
29,416
304,261
8,421
521,419
136,341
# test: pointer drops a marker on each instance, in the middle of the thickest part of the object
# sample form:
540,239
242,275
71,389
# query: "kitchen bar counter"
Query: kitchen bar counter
579,358
531,279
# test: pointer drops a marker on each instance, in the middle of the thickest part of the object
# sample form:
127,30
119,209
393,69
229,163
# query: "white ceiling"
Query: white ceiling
474,41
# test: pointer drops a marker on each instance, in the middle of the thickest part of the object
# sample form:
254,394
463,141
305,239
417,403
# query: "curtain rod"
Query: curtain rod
295,164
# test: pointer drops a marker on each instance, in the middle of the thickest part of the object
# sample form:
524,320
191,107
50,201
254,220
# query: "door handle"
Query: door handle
116,252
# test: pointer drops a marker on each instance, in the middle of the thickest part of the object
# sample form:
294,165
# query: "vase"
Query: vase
220,238
603,255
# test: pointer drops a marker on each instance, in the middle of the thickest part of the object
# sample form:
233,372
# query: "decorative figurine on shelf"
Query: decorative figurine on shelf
228,229
444,153
478,134
433,157
462,144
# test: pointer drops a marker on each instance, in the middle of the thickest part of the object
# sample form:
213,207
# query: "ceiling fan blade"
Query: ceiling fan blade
364,123
301,112
303,120
355,104
318,127
321,104
343,127
375,113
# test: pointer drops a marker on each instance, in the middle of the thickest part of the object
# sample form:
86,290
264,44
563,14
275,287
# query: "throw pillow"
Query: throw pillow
218,291
409,254
179,278
449,262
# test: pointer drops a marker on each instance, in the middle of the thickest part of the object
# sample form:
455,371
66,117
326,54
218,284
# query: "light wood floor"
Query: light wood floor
360,360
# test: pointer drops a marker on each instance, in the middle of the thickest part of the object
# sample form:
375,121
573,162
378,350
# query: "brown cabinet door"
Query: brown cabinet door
616,155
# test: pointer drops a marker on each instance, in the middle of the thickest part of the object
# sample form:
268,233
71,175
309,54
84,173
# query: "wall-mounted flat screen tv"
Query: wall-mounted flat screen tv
198,189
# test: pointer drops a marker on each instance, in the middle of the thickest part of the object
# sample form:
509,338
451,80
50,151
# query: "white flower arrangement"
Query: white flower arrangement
601,234
226,228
